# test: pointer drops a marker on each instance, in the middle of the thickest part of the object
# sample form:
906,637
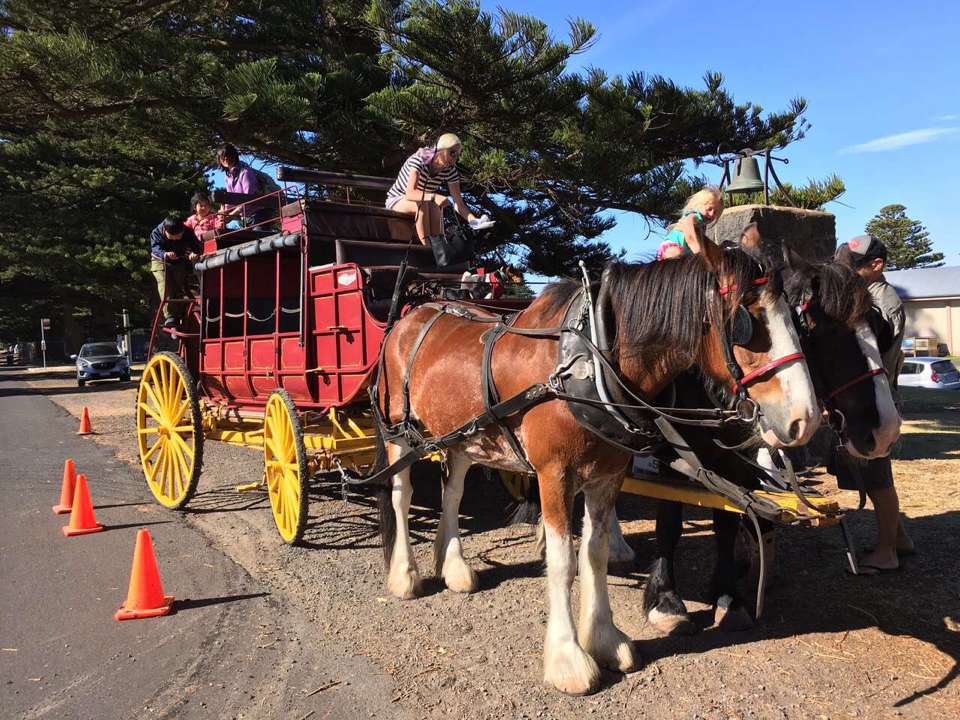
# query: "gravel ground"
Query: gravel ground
830,645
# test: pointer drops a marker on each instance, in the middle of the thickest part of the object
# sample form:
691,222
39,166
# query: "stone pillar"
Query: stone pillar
810,233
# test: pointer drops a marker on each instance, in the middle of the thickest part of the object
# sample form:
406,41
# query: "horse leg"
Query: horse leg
447,549
598,635
621,554
729,614
403,579
565,665
663,606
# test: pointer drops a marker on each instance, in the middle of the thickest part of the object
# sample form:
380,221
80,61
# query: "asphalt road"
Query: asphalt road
230,650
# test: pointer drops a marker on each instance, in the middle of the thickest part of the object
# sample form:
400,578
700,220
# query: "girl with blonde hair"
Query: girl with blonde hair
417,189
686,236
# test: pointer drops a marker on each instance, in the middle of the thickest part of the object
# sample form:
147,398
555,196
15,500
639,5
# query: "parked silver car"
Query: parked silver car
929,372
101,361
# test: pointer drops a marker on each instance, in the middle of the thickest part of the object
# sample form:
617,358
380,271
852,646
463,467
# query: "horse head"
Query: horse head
754,349
843,337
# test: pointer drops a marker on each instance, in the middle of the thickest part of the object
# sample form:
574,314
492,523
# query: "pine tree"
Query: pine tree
908,243
112,110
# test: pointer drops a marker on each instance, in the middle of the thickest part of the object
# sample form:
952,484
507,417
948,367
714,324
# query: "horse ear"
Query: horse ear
794,260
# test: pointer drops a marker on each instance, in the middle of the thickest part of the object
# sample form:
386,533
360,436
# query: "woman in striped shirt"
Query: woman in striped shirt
416,191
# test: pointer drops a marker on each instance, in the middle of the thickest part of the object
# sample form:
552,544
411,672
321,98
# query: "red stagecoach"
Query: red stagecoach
278,346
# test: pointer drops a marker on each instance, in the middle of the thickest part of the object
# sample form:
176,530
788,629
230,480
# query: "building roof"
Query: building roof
940,282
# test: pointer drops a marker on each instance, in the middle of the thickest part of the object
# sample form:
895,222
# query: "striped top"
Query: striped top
425,181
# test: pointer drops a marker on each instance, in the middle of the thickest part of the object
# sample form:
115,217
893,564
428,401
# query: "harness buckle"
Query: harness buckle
747,410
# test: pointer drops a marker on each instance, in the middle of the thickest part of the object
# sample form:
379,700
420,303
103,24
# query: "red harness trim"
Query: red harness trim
858,379
766,369
727,289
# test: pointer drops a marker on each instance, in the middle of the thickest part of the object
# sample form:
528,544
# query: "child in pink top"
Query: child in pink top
203,218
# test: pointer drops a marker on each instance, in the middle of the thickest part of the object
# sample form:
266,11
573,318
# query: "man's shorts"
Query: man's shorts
856,474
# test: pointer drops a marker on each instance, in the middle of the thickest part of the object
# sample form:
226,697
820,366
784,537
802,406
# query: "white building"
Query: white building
931,298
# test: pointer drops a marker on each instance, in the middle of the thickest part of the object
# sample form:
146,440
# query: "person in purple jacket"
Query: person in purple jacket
240,178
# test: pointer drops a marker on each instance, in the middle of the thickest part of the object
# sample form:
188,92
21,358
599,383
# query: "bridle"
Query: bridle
803,325
740,331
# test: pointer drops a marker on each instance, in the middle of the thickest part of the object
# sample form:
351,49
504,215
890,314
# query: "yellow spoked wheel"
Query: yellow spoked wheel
286,466
169,434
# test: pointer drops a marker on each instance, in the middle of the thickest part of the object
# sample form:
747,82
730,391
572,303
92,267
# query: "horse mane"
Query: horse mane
842,293
661,308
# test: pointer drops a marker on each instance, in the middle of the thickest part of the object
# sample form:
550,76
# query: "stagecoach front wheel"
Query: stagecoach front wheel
286,466
169,432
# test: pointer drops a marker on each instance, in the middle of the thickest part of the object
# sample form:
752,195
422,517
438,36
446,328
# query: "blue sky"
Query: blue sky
882,80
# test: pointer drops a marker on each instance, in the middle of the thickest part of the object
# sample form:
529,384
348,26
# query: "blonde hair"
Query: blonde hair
700,198
448,141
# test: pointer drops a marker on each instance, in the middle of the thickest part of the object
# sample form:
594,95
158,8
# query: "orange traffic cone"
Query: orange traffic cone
66,489
82,520
145,598
85,428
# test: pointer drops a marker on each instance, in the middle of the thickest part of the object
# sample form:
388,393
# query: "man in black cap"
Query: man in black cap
173,247
868,256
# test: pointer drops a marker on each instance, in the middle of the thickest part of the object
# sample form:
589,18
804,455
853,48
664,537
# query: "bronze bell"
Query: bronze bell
746,177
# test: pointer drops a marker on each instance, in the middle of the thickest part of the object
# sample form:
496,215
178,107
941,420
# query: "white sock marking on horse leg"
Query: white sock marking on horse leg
448,550
403,579
598,635
565,665
620,552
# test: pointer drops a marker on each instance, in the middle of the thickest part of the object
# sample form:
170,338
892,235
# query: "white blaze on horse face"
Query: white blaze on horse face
889,430
795,420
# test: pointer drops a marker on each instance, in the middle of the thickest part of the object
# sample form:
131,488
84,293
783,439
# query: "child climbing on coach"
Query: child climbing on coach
687,235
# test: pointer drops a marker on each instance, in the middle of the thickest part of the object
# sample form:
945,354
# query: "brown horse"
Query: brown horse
666,316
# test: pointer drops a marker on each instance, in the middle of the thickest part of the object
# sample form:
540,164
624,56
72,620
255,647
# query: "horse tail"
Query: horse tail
383,491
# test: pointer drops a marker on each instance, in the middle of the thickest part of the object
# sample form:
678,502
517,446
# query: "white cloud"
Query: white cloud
946,118
902,140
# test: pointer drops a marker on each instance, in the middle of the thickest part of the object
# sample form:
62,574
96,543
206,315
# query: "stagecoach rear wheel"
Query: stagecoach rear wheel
169,432
286,466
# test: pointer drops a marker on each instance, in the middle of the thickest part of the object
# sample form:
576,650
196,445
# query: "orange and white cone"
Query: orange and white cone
82,519
145,598
66,488
85,428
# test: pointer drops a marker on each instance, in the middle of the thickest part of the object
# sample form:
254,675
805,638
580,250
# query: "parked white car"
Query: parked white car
929,372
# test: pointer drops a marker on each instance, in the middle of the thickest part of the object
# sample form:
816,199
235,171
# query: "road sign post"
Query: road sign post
44,326
127,338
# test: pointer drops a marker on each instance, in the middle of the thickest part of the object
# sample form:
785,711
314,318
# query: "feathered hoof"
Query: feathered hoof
730,615
670,624
459,576
404,583
570,670
611,649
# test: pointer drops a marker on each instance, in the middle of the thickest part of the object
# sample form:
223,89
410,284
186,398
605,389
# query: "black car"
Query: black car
100,361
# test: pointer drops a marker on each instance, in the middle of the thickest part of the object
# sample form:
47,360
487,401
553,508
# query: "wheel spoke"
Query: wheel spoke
178,415
153,396
151,412
183,444
152,450
148,430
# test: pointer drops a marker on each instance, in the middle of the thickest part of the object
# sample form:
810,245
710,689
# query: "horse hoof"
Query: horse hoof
672,625
404,584
731,616
610,647
570,670
460,577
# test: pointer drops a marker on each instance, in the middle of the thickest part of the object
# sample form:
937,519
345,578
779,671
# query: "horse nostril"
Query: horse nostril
797,428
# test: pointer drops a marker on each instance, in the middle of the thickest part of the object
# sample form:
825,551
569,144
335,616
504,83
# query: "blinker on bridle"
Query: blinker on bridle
740,331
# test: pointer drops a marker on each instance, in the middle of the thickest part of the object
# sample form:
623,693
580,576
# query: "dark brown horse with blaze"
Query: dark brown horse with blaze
667,316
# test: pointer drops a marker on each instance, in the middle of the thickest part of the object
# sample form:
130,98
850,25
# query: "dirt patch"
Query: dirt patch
829,645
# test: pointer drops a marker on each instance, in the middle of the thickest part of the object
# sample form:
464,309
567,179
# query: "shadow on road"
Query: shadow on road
193,604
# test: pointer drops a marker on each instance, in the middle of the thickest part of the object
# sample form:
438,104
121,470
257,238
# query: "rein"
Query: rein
857,380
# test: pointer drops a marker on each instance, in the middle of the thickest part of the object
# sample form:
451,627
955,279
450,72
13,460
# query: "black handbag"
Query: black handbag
452,248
